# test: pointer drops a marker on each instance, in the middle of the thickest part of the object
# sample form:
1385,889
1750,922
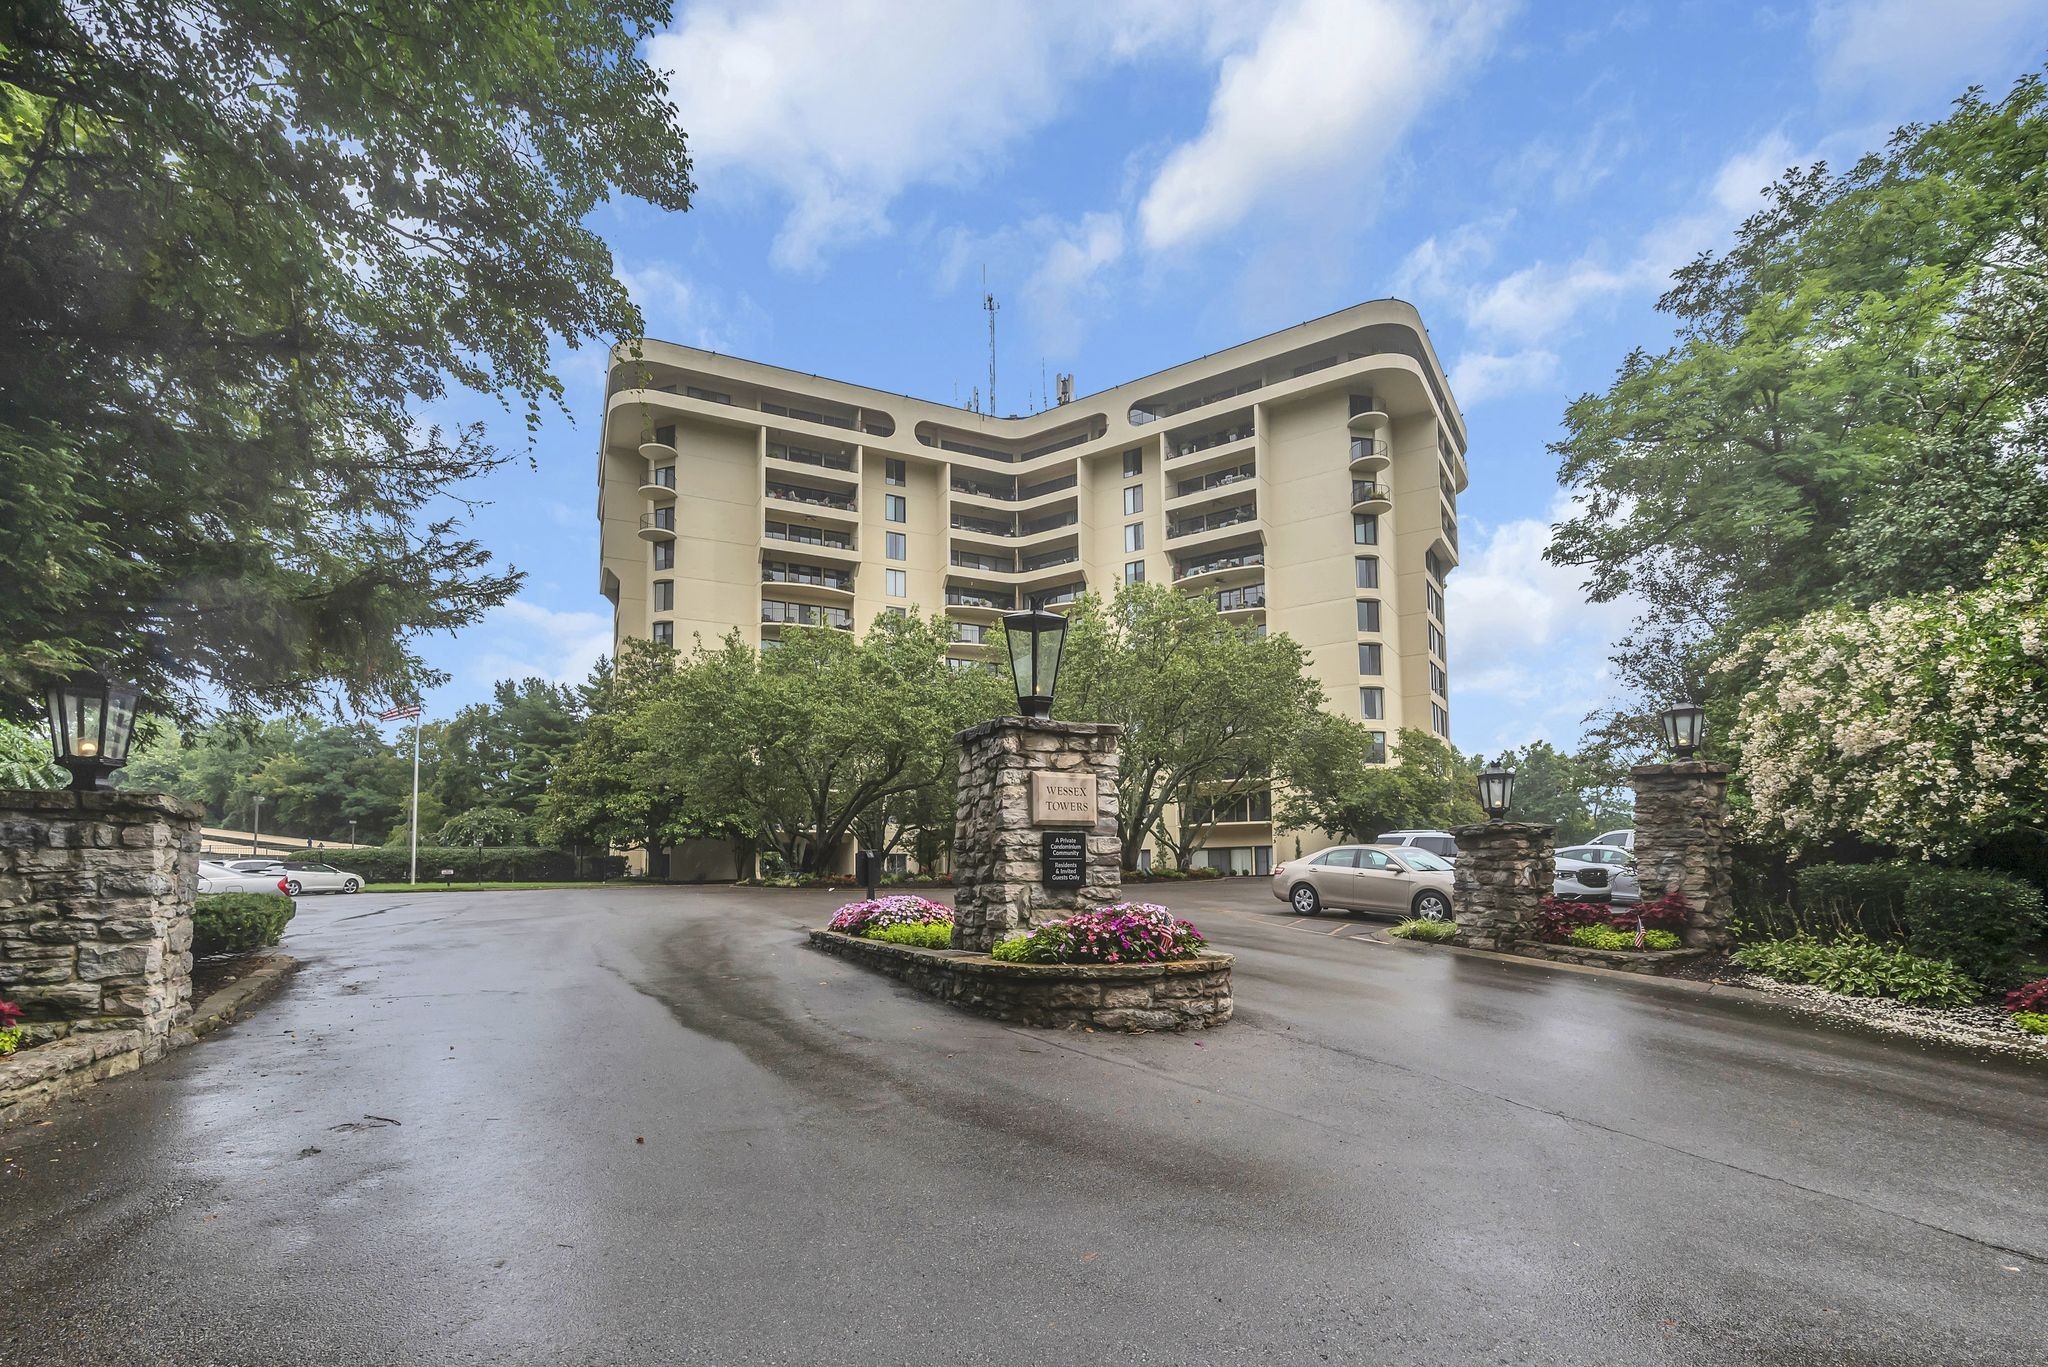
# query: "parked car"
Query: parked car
1371,878
1442,844
1624,840
1619,863
1581,880
254,865
224,878
302,875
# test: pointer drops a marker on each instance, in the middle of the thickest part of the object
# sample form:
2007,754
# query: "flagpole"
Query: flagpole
418,717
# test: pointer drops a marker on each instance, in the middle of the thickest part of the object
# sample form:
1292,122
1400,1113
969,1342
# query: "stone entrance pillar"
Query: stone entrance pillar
1504,869
1684,845
1029,789
96,911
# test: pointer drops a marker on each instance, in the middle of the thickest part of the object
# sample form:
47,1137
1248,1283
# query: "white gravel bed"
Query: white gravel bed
1979,1027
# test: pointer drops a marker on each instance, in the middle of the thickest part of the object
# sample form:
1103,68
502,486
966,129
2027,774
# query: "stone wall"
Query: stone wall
1504,869
96,896
995,845
1684,844
1191,994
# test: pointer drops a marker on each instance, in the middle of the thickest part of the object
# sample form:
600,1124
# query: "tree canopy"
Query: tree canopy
1854,407
245,249
1338,780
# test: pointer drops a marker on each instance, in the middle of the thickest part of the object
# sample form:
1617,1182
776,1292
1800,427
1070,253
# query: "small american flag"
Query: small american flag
401,713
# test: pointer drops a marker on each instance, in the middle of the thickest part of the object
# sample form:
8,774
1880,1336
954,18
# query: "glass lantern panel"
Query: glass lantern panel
1048,661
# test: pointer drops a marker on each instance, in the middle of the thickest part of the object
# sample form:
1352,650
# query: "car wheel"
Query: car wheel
292,886
351,885
1304,901
1432,905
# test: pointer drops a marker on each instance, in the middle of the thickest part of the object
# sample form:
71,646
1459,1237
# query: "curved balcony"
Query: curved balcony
660,490
659,525
1370,421
1243,565
1369,456
1367,497
658,452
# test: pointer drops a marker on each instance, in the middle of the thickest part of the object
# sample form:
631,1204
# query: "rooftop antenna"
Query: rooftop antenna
1042,391
988,302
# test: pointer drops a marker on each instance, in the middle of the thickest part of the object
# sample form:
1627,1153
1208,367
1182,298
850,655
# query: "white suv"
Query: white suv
1623,839
1440,843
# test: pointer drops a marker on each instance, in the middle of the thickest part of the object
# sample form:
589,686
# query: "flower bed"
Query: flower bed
1558,920
1122,933
12,1036
2028,1007
867,917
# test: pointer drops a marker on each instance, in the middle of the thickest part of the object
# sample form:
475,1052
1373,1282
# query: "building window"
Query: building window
1372,704
898,584
1134,537
898,546
1369,658
1434,563
894,508
1134,500
1363,403
893,473
896,612
1368,614
664,633
1368,571
1365,529
1437,682
1134,572
1376,752
1435,598
664,555
1134,463
665,476
1436,641
664,595
1439,719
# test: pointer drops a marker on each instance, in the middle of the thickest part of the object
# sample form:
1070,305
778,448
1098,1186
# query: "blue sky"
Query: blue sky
1151,180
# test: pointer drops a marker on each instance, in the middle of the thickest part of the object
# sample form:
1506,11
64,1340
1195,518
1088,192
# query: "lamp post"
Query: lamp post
91,723
351,835
256,834
1496,788
1685,726
1036,639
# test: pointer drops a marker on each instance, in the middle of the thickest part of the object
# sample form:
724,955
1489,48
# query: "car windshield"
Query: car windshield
1423,861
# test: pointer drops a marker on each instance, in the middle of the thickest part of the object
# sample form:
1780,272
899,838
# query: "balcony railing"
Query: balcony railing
1209,522
1236,474
665,476
797,493
968,560
1366,491
972,633
801,415
791,572
1450,530
778,612
1234,600
981,526
1048,524
1007,494
1187,446
1050,559
1188,569
966,598
1366,448
1065,594
803,455
661,519
1050,486
808,536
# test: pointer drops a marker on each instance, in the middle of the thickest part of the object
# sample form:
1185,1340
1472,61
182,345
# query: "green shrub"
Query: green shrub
1662,939
2033,1022
919,935
1977,921
1415,928
508,864
1854,899
11,1040
237,922
1855,967
1011,950
1606,937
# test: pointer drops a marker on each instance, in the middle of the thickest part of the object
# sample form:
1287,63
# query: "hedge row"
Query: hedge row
237,922
1978,921
510,864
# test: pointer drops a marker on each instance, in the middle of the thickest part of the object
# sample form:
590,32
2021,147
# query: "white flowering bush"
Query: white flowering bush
1920,723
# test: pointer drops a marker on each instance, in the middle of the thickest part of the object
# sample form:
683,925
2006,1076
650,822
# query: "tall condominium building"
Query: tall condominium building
1307,481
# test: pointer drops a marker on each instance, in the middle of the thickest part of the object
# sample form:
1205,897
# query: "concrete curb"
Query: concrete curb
227,1003
1689,985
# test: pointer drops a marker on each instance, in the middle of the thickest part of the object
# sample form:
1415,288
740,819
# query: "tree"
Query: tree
1571,792
1337,780
605,791
1915,723
492,826
503,752
1870,345
25,759
244,246
1207,707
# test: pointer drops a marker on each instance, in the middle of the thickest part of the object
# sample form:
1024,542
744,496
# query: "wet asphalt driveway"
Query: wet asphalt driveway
649,1126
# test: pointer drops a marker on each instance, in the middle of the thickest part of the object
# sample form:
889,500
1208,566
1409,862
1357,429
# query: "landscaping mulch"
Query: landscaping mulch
1974,1027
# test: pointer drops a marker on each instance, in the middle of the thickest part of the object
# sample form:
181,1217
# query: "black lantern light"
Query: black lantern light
1496,788
91,721
1036,638
1685,726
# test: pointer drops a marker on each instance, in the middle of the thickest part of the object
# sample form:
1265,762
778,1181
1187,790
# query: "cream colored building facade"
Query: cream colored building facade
1307,480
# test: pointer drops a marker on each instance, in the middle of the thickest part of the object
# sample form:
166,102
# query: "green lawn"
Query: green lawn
490,887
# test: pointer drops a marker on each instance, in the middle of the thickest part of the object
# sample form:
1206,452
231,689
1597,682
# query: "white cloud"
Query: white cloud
1439,267
1479,375
679,310
1065,283
521,638
1322,96
840,108
1524,637
1914,48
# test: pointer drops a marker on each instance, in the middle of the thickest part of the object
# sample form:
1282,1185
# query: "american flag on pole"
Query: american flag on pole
404,712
